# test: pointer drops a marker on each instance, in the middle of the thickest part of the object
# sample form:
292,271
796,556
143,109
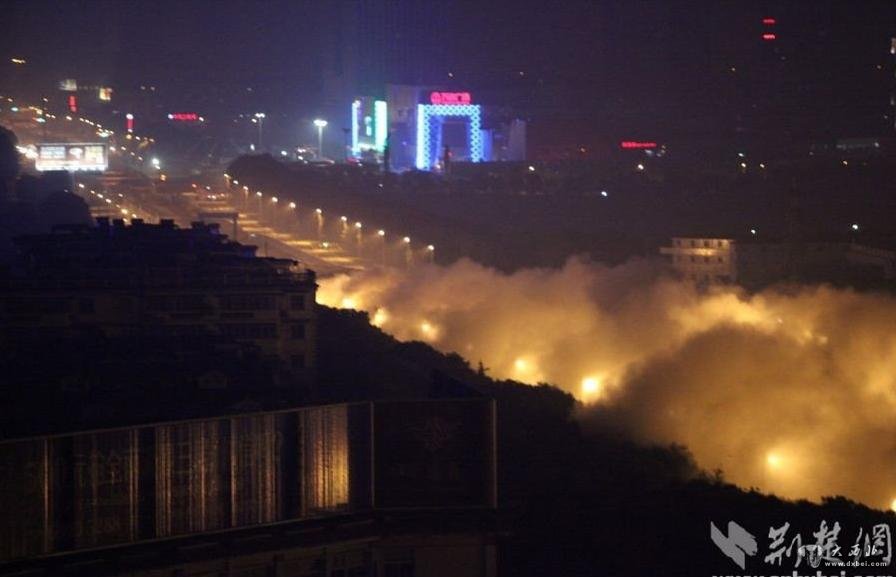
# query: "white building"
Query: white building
701,259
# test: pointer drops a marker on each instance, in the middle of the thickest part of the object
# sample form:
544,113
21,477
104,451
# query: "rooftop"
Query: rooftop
115,255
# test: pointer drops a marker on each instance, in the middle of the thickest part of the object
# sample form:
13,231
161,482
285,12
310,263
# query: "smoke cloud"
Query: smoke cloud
791,390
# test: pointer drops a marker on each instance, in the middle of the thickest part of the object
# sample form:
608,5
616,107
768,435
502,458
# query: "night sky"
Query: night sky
660,67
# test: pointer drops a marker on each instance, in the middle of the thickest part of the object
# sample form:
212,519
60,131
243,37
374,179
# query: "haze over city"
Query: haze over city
461,283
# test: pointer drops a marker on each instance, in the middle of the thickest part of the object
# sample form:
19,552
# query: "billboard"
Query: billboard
82,156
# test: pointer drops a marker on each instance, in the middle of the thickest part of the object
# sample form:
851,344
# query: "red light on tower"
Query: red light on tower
769,21
768,37
72,103
130,122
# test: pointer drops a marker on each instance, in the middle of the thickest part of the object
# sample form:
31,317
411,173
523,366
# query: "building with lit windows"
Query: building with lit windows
703,259
755,262
426,128
160,281
393,488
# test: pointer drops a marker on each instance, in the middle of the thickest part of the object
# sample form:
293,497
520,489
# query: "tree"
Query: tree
9,161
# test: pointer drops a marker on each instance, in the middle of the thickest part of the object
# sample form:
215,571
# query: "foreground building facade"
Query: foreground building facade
386,488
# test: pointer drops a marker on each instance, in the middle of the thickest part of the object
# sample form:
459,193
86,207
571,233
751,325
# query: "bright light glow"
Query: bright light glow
769,21
531,168
258,193
183,116
356,110
343,218
774,460
348,303
292,205
381,232
156,163
430,248
380,317
893,505
604,193
591,388
640,166
637,144
768,36
358,225
855,226
429,331
752,231
274,199
406,240
381,124
320,123
460,98
318,211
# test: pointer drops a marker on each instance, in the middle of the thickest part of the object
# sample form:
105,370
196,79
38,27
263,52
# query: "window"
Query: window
706,244
247,302
297,302
297,331
249,330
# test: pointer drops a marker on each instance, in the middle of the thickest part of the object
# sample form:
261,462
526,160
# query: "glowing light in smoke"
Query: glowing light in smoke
774,460
380,317
591,388
348,303
428,330
776,388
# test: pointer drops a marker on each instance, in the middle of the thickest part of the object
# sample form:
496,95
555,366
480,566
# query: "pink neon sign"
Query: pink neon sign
449,97
636,144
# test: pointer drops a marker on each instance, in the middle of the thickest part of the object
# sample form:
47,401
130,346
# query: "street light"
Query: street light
259,119
320,124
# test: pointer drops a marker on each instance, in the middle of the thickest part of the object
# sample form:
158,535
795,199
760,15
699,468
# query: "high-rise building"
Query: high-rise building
160,280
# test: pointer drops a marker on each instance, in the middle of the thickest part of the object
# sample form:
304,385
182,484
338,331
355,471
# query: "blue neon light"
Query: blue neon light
422,161
381,124
356,109
429,114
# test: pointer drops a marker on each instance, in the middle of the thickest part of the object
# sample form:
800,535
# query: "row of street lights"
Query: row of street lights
318,215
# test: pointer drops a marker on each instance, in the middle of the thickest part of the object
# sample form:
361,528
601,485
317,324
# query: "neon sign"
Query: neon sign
72,103
370,126
769,21
184,116
768,36
636,144
449,98
431,117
